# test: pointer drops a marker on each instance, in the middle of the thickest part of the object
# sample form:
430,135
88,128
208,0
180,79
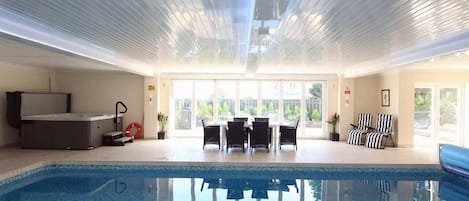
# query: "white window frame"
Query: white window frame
435,109
195,132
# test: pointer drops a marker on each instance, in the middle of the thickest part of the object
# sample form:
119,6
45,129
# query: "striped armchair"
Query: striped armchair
357,135
379,136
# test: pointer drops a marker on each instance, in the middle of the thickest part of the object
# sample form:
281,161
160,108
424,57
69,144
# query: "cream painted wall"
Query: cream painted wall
367,96
346,110
98,92
14,78
332,102
164,86
407,81
150,107
390,80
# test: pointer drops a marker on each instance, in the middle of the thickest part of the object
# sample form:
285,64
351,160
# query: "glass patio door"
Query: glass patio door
221,100
183,109
449,108
437,115
313,113
423,116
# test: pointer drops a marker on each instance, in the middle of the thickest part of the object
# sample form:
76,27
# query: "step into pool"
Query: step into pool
206,183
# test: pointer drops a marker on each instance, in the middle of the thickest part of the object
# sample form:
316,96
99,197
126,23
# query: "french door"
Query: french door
282,101
437,114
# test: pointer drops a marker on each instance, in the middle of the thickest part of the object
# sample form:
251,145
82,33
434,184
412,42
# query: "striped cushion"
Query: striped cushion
355,137
384,123
381,185
364,121
375,140
366,181
384,185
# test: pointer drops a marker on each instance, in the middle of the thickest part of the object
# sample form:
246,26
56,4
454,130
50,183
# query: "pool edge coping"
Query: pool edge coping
43,164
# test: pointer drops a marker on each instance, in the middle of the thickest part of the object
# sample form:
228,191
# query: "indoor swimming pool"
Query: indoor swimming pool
224,182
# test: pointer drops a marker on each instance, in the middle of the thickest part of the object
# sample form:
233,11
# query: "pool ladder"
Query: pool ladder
116,137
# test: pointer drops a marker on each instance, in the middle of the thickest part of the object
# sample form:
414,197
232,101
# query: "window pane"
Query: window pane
226,99
248,98
448,114
291,101
313,113
204,93
270,98
423,112
423,115
182,92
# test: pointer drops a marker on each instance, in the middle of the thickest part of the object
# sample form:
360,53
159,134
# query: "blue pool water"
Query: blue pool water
197,183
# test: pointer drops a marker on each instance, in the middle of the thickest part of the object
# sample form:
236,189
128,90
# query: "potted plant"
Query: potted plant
163,120
334,136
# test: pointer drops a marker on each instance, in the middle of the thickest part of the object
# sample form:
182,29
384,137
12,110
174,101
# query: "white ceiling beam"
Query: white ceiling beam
21,27
424,51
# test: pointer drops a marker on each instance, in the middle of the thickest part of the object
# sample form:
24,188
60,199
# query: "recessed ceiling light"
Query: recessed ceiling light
318,19
293,19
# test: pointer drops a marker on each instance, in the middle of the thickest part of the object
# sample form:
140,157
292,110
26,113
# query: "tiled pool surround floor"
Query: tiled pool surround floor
189,151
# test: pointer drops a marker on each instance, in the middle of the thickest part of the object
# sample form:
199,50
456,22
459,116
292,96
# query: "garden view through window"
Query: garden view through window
436,116
220,100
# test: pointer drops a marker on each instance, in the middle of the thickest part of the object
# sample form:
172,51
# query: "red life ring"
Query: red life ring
130,127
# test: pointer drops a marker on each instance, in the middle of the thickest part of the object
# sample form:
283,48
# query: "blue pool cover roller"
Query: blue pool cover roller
455,159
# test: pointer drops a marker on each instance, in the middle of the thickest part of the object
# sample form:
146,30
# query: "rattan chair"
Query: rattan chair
211,134
259,137
288,135
265,119
235,135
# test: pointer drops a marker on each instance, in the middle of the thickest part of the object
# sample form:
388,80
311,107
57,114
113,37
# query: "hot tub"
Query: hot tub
69,117
66,130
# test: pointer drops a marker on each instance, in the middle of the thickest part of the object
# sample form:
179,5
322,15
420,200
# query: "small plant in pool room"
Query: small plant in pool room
163,120
334,136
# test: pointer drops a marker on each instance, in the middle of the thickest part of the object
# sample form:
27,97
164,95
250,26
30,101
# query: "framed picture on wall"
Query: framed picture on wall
385,97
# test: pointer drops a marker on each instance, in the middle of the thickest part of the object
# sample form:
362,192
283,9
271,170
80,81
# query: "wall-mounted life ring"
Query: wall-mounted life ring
131,127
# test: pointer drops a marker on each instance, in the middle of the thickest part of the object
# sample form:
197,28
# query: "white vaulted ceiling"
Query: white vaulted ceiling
235,36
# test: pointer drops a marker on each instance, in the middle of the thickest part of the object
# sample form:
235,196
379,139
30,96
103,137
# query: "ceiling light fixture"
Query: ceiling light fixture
293,19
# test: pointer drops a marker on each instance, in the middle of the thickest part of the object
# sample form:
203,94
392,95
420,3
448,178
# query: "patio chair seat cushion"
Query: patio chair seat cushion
356,137
375,140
